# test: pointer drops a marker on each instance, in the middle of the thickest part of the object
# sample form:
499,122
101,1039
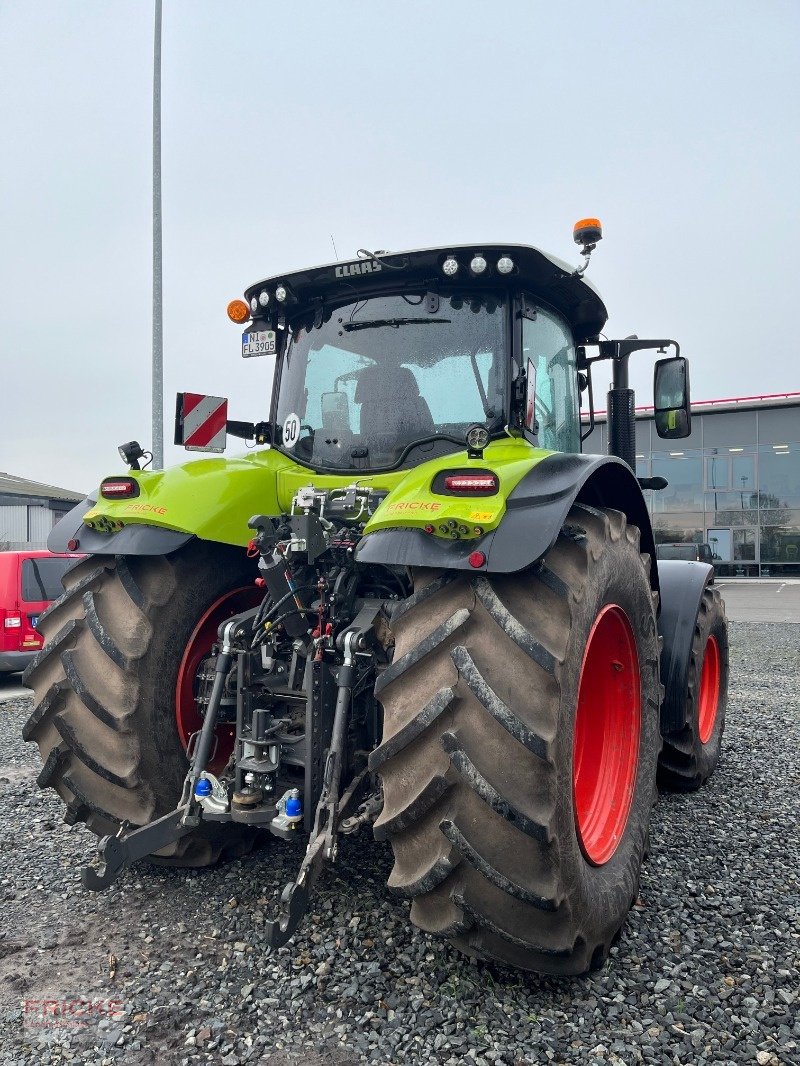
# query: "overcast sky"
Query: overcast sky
388,125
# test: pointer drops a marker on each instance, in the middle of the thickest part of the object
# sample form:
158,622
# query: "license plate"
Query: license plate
260,343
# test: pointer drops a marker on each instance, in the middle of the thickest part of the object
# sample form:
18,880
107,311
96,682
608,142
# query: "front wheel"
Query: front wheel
692,750
113,687
520,745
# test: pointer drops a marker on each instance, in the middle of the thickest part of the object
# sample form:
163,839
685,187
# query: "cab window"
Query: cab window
547,342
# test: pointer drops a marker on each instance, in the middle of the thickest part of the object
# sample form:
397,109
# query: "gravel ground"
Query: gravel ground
706,970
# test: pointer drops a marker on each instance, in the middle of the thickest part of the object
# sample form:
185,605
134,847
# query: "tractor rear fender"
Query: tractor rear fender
682,586
536,510
139,539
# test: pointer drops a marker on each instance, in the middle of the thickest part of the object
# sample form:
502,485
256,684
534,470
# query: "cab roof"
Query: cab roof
535,272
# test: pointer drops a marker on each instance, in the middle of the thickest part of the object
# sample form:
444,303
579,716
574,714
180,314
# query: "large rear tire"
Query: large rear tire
106,684
520,745
691,752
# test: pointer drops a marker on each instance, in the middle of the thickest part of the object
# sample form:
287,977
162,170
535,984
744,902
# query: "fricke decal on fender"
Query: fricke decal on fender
412,505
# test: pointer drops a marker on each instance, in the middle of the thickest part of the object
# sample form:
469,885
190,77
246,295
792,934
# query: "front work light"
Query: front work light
477,438
478,264
263,297
450,266
281,294
131,453
505,265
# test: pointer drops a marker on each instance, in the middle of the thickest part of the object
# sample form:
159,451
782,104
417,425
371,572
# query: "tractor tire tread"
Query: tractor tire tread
686,763
89,715
471,782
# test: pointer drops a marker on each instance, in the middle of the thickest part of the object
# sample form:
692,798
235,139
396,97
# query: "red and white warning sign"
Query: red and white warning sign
201,422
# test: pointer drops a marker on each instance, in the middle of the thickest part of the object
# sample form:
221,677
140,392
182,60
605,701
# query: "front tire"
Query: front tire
106,681
691,752
499,740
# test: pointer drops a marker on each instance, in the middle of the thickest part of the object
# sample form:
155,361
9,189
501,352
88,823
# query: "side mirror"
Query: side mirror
673,414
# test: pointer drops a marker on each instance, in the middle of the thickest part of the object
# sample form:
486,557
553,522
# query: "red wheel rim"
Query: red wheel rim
203,636
607,729
709,691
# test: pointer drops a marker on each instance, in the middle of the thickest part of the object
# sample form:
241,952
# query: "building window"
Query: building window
729,429
684,491
779,475
678,528
731,501
744,545
778,425
731,471
780,536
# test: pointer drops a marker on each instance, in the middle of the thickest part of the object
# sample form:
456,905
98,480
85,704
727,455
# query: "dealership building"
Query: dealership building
734,483
29,510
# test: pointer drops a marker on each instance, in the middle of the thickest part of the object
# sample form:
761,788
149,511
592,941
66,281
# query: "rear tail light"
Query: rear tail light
12,621
115,488
470,483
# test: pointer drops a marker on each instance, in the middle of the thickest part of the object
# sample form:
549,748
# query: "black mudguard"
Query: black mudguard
69,534
535,513
682,585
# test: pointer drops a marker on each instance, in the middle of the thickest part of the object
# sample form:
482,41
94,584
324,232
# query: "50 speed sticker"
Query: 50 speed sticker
291,430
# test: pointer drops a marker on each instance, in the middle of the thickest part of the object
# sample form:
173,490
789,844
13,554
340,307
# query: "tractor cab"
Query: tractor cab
389,361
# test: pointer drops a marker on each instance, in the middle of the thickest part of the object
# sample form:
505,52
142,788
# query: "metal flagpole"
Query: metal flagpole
158,338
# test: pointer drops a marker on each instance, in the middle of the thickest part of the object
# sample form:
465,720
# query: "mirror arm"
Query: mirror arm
244,430
622,349
258,431
590,430
633,344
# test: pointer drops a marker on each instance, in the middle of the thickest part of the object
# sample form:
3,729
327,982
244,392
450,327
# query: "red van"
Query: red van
29,582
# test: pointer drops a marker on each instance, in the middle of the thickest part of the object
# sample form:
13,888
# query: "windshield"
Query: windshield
383,373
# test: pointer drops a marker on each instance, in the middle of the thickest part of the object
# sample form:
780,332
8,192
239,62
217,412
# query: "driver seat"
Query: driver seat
391,405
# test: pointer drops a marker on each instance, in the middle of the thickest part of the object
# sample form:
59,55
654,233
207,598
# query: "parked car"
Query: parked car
29,582
693,553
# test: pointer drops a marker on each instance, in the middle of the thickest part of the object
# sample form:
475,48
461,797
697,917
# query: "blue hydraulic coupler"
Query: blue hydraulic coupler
294,806
202,788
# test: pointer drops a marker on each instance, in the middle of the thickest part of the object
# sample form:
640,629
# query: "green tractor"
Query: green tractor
419,608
